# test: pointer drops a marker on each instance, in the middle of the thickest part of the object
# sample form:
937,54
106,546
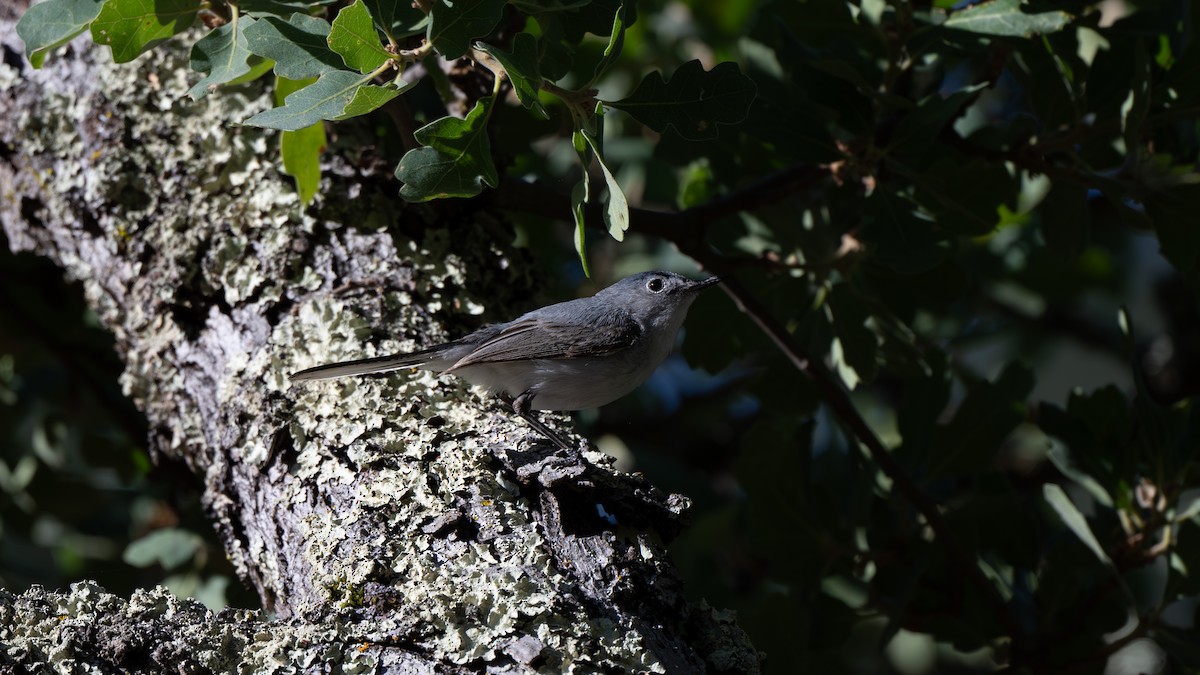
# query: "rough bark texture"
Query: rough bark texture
396,524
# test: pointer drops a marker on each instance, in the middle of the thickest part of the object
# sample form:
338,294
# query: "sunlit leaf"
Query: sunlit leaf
53,23
1005,18
579,198
301,149
456,160
130,27
258,67
616,206
366,99
336,95
615,40
298,46
223,54
353,36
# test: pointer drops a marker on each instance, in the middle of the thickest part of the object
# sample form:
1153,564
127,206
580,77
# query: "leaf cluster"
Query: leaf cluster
352,59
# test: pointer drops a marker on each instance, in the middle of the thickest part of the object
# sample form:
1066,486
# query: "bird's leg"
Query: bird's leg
521,406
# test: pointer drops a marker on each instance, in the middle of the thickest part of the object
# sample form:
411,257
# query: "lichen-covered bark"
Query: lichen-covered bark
155,632
403,514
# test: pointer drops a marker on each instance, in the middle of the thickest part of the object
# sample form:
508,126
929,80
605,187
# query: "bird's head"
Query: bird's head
656,299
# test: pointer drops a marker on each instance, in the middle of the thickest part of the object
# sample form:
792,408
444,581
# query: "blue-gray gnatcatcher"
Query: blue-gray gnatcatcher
578,354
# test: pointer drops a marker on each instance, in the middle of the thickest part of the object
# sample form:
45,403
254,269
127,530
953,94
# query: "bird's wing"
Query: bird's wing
545,337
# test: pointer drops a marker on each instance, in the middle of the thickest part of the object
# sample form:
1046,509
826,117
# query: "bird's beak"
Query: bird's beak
703,284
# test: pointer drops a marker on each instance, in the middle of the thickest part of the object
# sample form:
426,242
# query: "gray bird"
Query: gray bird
569,356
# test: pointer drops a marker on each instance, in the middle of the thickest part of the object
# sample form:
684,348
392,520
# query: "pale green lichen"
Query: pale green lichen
49,627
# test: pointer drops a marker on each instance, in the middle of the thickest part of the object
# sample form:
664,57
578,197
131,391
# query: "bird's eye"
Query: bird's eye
655,285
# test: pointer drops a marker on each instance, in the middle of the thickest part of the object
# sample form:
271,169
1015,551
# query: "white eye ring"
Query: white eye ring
655,285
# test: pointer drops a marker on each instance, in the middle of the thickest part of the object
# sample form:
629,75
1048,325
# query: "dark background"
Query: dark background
1007,284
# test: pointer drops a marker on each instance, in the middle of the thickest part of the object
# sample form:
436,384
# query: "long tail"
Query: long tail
378,364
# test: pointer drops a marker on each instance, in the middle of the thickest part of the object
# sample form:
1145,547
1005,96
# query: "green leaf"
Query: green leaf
301,149
579,197
456,160
1005,18
366,99
615,41
452,26
53,23
131,27
616,207
336,95
258,67
521,66
285,87
353,36
1074,520
223,54
298,46
397,18
697,184
169,547
694,101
